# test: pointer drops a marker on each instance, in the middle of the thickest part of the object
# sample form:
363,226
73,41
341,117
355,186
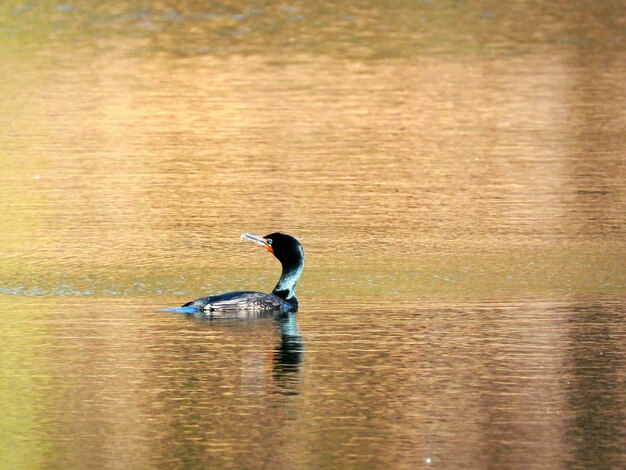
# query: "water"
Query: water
455,175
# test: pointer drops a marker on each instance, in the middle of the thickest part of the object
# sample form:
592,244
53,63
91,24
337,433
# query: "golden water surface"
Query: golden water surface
454,170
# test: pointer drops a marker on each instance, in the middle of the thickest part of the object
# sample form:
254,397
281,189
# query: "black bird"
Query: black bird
289,252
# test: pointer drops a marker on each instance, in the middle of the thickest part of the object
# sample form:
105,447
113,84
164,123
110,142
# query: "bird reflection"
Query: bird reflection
287,357
283,364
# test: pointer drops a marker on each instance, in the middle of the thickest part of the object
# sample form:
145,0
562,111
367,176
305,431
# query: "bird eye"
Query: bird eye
269,241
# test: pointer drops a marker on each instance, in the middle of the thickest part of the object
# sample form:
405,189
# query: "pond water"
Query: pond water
455,173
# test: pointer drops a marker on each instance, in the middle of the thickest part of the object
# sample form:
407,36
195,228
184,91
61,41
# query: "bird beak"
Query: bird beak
258,240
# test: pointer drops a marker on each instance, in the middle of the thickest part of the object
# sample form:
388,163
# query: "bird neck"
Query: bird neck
286,286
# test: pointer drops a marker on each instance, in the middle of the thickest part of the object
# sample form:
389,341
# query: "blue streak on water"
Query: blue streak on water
68,290
185,310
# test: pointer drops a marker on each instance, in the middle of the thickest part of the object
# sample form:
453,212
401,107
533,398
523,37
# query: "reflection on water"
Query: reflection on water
596,395
456,176
288,353
473,384
288,356
345,28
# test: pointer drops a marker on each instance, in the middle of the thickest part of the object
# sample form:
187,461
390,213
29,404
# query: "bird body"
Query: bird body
249,301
